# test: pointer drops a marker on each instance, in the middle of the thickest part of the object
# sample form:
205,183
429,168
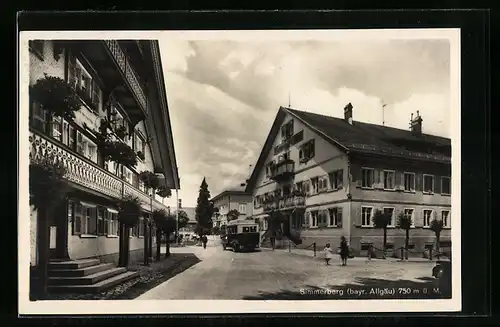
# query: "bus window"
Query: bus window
246,229
253,229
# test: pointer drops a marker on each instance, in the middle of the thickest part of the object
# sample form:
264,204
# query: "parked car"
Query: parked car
442,272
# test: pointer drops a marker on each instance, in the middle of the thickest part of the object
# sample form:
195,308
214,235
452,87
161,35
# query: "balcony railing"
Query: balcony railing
292,202
129,72
283,170
84,172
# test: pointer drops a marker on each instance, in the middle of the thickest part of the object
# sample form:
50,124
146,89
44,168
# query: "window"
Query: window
427,217
408,213
428,183
101,221
85,219
367,177
306,187
314,185
306,151
366,216
287,130
86,147
242,208
336,179
389,182
322,218
111,223
445,217
322,184
390,212
39,117
84,83
299,187
37,46
445,185
314,218
335,217
139,144
127,173
409,182
57,128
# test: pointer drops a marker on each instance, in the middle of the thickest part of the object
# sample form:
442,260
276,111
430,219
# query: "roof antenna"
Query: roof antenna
288,99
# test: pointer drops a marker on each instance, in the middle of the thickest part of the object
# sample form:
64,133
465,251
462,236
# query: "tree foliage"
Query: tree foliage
436,226
204,210
46,182
404,221
183,219
380,219
56,96
129,210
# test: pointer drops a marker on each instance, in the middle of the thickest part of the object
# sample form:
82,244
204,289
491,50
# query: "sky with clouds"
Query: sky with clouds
223,95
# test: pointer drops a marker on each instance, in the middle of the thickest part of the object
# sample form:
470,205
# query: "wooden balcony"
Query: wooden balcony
85,173
292,202
283,170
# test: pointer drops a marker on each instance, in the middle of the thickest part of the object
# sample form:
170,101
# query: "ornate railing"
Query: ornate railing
83,172
292,202
129,72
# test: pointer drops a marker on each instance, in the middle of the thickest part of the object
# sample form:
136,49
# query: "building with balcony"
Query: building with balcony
328,176
120,83
233,198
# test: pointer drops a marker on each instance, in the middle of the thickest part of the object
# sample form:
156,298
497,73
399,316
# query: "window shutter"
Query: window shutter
418,182
357,216
307,219
437,184
92,229
339,217
311,147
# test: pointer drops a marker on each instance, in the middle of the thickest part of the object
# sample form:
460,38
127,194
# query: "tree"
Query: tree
183,219
158,218
204,210
47,189
168,226
129,210
404,223
233,214
437,226
381,220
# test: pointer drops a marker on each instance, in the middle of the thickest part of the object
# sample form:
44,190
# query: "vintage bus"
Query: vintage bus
240,235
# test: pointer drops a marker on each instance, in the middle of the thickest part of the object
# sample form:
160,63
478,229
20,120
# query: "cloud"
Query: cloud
223,95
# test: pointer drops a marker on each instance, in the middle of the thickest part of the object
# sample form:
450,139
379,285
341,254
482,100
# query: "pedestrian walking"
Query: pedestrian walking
328,253
204,240
344,250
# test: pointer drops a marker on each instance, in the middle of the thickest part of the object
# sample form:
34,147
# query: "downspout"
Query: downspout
349,197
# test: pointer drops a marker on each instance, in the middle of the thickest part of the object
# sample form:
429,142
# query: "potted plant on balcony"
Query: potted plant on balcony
141,155
164,192
128,216
56,96
47,189
121,132
116,151
150,180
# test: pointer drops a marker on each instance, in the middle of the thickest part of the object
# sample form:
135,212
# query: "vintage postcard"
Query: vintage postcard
239,171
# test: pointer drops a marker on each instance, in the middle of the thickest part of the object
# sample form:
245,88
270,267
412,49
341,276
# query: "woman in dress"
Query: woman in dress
344,250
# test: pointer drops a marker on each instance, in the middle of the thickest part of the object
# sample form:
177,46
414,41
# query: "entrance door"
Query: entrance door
59,231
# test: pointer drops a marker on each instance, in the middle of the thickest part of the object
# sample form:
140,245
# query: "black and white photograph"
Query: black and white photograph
239,171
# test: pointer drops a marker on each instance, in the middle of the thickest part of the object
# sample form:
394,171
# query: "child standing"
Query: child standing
328,254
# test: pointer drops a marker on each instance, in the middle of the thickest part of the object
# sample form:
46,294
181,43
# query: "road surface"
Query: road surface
268,274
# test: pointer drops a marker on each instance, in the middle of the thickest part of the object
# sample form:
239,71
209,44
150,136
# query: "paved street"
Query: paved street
268,274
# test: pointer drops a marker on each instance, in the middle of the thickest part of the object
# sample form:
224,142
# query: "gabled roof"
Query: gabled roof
361,138
233,190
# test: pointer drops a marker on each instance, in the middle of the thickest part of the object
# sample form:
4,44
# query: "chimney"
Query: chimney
348,113
416,124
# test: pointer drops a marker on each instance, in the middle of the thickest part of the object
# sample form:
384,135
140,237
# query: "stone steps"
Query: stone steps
85,276
97,287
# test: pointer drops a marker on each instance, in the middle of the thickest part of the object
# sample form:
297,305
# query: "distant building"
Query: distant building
233,198
329,175
191,213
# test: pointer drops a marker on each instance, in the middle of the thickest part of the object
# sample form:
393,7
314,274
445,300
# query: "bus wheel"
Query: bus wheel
235,247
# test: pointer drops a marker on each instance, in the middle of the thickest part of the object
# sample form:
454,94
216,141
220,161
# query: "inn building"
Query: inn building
329,175
119,81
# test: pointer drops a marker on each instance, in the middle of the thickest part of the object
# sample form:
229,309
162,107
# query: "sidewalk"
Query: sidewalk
319,255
